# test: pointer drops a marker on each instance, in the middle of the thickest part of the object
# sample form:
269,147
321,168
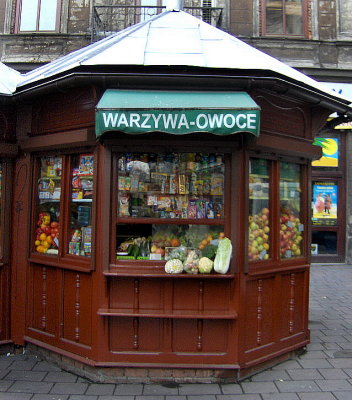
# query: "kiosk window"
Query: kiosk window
259,223
71,174
169,202
291,227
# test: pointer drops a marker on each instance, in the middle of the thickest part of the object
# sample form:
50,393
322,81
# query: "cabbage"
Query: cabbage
174,266
205,265
223,256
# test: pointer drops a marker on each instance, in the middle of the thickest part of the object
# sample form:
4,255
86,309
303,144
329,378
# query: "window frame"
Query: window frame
275,262
305,21
37,30
158,265
63,259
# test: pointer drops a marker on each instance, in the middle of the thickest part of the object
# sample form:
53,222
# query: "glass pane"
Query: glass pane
80,229
171,185
163,242
324,242
294,17
258,223
29,11
324,204
48,208
274,17
47,20
291,227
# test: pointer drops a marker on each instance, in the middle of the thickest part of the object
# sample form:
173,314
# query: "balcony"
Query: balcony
110,19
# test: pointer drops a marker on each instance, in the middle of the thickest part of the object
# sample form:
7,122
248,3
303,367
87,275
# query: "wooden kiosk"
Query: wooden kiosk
126,165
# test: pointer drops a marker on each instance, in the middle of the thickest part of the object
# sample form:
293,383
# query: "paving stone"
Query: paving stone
238,397
51,397
25,365
5,384
175,397
343,395
3,373
341,363
330,385
128,389
289,364
150,398
317,396
15,396
32,376
333,373
259,387
115,398
231,388
280,396
100,389
69,388
304,374
5,363
271,375
313,354
60,376
297,386
199,388
83,397
315,363
153,389
31,387
202,397
45,366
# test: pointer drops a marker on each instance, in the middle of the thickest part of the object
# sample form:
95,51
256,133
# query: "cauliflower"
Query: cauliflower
174,266
205,265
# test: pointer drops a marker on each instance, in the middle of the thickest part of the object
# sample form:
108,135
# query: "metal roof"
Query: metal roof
174,38
9,78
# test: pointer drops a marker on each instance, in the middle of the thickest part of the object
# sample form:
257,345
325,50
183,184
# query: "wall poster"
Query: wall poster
330,152
324,204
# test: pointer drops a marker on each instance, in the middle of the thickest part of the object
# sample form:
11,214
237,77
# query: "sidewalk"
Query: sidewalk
323,373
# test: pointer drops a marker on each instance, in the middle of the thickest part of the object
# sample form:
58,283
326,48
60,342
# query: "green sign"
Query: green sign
179,122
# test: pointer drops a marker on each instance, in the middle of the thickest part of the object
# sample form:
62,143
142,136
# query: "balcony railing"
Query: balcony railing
109,19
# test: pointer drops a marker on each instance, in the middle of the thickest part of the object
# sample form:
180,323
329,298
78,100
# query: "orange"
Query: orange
42,236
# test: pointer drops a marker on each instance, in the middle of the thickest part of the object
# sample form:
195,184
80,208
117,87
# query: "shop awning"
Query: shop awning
176,112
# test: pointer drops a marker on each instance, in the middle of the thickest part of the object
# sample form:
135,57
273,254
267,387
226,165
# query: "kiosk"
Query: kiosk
152,145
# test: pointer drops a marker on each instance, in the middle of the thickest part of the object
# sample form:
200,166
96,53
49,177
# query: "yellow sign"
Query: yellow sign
330,149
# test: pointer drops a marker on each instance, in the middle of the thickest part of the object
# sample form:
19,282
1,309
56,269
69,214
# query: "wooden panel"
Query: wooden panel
63,111
4,303
77,295
292,304
259,313
45,299
202,336
144,294
201,295
7,124
135,334
282,116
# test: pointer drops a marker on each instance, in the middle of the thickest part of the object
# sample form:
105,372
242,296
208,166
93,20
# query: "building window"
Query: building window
284,18
38,15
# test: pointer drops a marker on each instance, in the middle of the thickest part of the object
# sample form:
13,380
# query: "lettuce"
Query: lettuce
223,256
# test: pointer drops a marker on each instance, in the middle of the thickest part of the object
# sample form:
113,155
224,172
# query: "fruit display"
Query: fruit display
291,237
47,234
258,236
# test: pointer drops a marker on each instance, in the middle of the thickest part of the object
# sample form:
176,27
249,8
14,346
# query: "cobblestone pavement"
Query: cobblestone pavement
324,372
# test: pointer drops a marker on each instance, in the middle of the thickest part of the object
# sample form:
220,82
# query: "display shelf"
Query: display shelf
82,200
130,270
151,220
174,314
